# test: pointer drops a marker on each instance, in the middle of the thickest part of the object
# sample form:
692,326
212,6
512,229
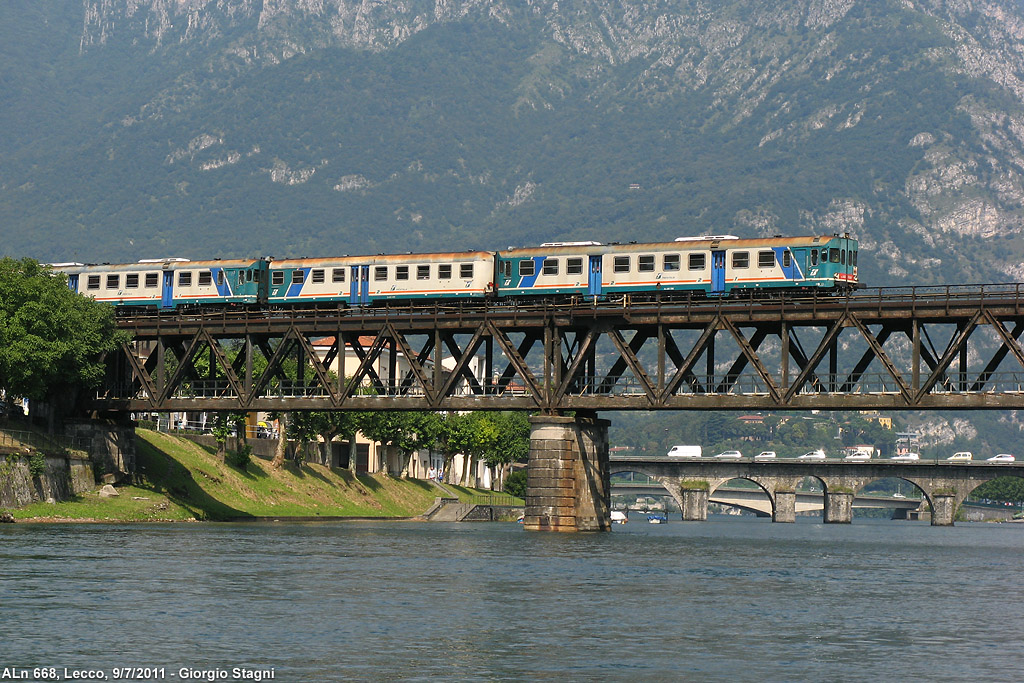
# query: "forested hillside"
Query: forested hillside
146,129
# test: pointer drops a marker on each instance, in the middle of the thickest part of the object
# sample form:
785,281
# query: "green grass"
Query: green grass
180,480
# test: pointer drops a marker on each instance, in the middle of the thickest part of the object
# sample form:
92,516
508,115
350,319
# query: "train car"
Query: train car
170,283
366,280
712,265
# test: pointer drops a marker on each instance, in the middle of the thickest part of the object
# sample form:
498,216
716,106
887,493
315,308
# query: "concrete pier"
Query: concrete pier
943,509
695,504
838,508
567,485
785,507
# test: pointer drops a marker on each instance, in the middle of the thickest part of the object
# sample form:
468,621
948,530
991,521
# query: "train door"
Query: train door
167,292
594,282
790,261
718,272
359,288
73,282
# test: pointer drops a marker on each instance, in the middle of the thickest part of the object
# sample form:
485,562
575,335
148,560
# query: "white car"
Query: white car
859,457
961,455
906,457
729,455
1002,457
765,455
685,452
813,455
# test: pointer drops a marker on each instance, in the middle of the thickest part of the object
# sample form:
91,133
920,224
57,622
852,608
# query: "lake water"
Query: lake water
732,598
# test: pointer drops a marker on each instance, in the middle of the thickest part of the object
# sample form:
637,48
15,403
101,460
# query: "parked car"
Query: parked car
729,455
906,457
685,452
765,455
860,457
813,455
961,455
1002,457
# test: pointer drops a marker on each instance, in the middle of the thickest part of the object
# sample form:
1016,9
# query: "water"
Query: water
731,598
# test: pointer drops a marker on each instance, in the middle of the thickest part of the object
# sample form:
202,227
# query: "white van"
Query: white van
685,452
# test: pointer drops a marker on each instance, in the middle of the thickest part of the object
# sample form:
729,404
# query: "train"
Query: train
708,265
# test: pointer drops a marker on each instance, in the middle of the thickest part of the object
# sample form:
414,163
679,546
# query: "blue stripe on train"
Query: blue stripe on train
530,280
296,287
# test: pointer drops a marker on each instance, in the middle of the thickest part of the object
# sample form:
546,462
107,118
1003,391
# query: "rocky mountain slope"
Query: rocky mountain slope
143,128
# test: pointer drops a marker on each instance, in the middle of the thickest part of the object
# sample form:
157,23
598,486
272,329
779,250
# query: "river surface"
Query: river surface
733,598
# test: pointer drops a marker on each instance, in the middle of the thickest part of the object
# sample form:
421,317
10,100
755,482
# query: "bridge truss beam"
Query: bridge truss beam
903,349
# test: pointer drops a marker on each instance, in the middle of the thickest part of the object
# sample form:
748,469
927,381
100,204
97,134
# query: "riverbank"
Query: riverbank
178,480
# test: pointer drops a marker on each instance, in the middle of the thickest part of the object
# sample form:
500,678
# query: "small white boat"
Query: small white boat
619,517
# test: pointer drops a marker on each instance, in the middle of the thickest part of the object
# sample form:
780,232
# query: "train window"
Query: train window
380,273
645,263
185,278
741,259
152,279
401,272
444,271
824,255
277,277
550,266
317,276
787,259
833,255
765,259
220,277
298,276
814,257
526,268
853,258
256,277
670,262
338,275
205,278
423,272
113,281
465,270
94,282
842,256
620,264
131,281
574,266
697,261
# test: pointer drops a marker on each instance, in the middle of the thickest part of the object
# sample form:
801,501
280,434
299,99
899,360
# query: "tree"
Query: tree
406,431
331,424
51,339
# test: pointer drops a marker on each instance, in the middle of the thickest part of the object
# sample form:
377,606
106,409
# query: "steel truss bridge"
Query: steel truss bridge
954,347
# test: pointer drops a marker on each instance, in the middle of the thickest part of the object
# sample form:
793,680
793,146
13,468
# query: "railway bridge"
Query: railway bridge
955,347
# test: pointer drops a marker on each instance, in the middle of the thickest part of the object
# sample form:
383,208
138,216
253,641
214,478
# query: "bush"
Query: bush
241,457
515,483
37,464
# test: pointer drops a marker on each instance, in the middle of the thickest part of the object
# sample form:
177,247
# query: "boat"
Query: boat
656,518
619,517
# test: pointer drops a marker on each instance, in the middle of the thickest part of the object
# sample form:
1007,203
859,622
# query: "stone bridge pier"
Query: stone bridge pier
567,481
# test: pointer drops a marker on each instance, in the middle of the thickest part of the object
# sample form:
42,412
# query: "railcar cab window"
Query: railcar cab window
337,275
787,258
550,266
814,257
741,259
853,258
94,282
380,273
670,262
645,263
131,281
444,271
526,268
574,266
185,278
220,277
765,259
276,278
401,272
113,281
620,264
842,256
466,270
506,268
833,255
423,272
152,279
205,278
696,261
317,276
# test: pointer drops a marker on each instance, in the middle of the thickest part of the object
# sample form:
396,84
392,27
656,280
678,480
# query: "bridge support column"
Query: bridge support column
838,508
695,504
785,507
567,484
943,509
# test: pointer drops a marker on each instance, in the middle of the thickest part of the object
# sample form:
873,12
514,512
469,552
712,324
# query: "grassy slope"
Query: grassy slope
180,480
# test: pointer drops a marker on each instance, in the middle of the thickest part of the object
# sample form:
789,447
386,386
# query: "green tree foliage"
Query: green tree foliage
405,431
51,339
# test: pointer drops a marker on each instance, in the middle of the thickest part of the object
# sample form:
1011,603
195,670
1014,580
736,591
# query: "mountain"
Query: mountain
197,128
